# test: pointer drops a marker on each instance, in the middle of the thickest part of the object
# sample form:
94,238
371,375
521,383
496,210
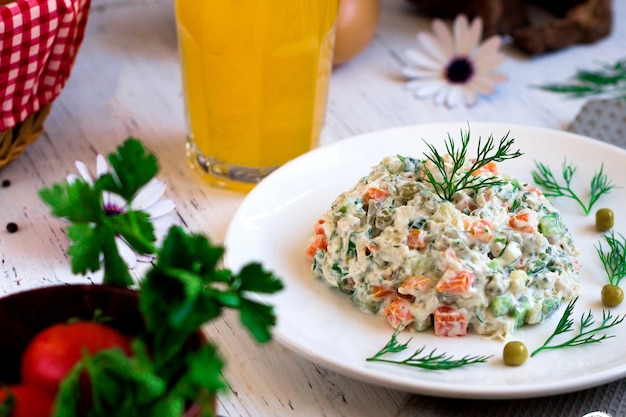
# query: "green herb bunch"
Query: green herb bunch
608,81
587,333
92,230
600,184
454,177
170,369
432,361
614,259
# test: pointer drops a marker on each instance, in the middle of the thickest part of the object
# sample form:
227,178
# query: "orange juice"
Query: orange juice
255,75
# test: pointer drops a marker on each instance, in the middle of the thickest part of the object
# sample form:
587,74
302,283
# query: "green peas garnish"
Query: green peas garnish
605,219
515,353
612,295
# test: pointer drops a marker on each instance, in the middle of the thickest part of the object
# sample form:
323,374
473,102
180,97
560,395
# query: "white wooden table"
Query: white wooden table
126,82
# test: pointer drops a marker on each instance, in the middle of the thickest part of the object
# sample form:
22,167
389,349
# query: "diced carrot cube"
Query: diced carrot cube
415,283
376,194
319,228
523,222
455,282
372,246
318,242
482,230
398,314
489,168
450,322
416,239
381,291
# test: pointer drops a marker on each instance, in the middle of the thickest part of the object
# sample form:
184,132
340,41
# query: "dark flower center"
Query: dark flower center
460,70
112,210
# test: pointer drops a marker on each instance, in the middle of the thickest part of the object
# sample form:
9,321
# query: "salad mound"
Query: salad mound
490,259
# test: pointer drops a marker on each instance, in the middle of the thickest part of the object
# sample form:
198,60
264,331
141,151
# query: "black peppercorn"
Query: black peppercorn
6,183
12,227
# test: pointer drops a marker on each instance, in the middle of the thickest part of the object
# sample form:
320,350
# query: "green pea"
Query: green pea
605,219
407,191
612,295
515,353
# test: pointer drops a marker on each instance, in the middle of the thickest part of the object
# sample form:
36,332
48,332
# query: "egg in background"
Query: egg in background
356,25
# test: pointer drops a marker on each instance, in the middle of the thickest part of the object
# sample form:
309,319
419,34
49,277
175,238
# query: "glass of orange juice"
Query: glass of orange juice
255,79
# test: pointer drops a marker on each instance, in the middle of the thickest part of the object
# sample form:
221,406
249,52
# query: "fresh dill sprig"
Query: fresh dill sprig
607,81
431,361
543,176
454,179
587,334
613,261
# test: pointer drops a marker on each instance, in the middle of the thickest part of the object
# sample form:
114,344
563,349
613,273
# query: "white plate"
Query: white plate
276,219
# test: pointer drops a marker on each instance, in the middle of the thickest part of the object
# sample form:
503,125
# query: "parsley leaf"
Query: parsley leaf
170,367
134,167
184,289
198,291
93,229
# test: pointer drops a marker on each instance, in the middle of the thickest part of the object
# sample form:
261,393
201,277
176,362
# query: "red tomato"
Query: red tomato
55,350
30,401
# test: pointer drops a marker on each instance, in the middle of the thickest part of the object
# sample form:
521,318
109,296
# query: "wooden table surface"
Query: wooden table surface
126,82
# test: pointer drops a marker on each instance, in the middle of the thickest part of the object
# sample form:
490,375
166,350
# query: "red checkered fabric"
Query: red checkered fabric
39,40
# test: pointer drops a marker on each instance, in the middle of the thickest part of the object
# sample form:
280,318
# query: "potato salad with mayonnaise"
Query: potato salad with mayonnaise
490,259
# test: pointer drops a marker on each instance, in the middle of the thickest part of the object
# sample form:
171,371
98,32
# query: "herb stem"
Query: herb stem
543,176
432,361
609,80
613,261
586,333
450,166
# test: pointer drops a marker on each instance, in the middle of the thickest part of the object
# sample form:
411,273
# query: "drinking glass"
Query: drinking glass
255,80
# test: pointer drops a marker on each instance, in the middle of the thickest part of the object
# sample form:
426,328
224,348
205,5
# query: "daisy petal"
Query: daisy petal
421,60
487,57
488,48
469,96
425,88
498,77
455,96
160,208
412,72
432,46
146,259
467,37
446,41
127,254
148,194
483,84
113,202
101,166
162,225
84,172
442,94
71,178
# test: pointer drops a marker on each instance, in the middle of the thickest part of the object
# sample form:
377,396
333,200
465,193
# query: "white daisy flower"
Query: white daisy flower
147,199
453,66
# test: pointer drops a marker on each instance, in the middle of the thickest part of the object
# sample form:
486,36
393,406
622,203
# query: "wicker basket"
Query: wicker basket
14,141
37,54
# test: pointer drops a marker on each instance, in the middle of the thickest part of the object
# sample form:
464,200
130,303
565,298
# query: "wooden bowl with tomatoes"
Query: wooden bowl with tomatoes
38,326
25,314
45,331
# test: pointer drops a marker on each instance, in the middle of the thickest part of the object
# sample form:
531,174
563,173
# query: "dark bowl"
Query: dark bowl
24,314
